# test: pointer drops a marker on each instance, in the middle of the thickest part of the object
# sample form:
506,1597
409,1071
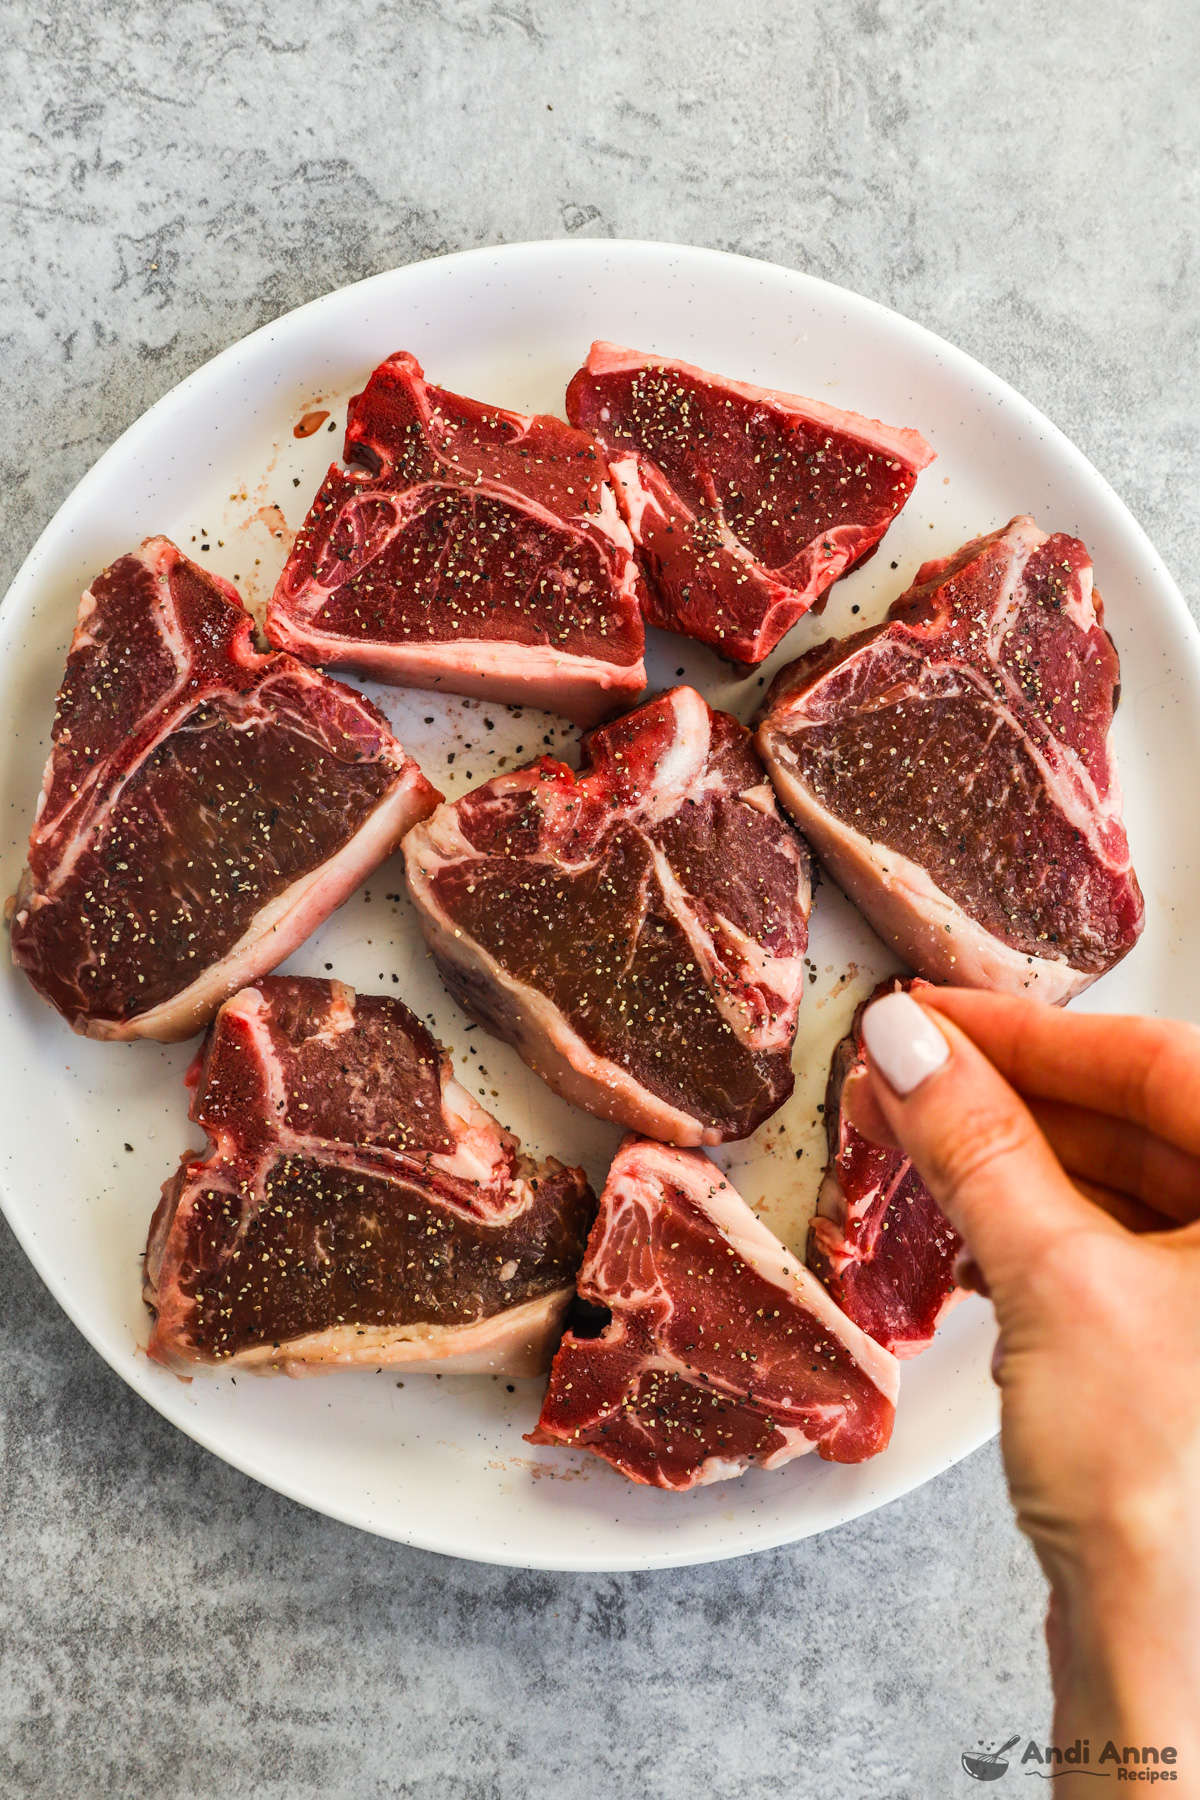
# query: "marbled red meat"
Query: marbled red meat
720,1350
355,1207
637,930
204,807
746,504
954,771
879,1241
470,549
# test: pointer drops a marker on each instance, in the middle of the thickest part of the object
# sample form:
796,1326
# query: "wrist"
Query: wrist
1125,1633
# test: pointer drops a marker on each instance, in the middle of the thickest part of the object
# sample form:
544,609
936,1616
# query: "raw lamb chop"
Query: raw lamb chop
470,549
355,1207
746,504
953,769
879,1241
720,1350
637,931
204,808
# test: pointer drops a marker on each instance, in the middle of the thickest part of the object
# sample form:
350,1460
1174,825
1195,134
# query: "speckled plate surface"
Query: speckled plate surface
88,1132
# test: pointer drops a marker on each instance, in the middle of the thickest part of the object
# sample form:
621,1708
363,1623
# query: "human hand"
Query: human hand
1065,1149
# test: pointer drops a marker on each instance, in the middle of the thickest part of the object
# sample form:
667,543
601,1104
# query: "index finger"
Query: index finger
1143,1070
973,1141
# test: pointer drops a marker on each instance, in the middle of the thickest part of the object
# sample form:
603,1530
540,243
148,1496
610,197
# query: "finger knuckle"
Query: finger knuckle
979,1143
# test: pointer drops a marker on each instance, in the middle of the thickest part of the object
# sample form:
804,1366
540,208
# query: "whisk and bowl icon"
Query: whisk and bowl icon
988,1765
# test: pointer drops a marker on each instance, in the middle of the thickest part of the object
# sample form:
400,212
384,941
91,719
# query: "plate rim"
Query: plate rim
178,395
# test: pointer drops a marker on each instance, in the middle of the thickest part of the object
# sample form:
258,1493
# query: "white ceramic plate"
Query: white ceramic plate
89,1131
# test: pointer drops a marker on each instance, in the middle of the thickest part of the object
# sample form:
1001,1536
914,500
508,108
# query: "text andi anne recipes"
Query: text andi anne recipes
1144,1762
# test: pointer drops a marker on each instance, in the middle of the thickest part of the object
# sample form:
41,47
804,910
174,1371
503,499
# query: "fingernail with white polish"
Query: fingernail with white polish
903,1042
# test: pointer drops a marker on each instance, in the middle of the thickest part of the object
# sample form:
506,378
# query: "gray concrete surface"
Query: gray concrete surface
1019,177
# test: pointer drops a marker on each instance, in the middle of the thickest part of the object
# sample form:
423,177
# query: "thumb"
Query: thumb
973,1141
